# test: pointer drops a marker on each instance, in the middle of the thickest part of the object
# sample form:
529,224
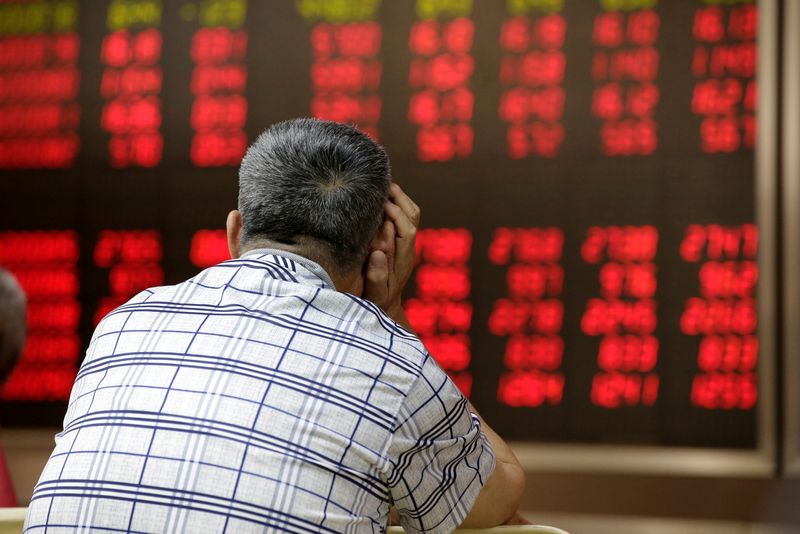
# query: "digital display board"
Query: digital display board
587,263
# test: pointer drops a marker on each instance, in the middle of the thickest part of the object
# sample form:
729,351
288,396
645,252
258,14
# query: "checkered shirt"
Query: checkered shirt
256,398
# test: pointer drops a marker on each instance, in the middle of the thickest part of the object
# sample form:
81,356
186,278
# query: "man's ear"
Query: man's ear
233,227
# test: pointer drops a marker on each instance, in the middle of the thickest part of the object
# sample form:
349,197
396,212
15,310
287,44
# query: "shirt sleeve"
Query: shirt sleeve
441,459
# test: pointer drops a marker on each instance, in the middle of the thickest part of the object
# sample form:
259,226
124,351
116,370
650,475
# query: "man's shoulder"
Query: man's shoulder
368,321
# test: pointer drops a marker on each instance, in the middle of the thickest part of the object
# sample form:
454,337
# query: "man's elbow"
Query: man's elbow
499,499
516,481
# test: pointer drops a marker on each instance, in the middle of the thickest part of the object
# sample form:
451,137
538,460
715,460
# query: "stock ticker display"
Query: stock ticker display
587,263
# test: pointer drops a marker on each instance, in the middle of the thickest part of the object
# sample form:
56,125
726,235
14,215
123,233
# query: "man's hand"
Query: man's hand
391,259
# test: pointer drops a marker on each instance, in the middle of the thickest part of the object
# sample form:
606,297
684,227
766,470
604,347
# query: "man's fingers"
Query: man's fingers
403,225
384,240
376,281
405,243
390,249
409,207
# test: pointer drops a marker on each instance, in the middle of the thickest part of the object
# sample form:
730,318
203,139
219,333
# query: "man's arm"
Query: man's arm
388,269
499,498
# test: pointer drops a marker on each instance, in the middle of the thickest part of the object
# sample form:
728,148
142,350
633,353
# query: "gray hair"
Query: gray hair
12,323
318,179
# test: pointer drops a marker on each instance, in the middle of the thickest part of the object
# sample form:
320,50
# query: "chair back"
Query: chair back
516,529
11,520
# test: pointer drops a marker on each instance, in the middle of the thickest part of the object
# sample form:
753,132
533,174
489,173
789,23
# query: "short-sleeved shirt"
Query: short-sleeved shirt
255,397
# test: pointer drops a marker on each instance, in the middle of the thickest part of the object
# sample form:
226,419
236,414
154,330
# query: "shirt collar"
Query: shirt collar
314,268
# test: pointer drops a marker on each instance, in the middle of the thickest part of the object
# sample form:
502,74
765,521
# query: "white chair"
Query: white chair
520,529
11,520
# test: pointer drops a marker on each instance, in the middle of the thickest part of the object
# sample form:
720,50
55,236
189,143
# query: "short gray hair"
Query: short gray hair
318,179
13,324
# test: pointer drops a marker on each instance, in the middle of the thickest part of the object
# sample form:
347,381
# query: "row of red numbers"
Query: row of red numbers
133,260
624,68
530,315
531,72
440,311
131,83
39,84
724,315
724,65
346,70
219,79
624,315
441,68
46,266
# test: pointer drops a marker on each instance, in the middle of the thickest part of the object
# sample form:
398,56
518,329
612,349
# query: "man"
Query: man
12,340
13,325
281,390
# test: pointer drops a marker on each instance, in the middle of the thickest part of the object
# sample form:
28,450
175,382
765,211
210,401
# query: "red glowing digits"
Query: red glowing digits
532,71
442,102
39,85
724,315
45,264
724,69
625,315
440,311
531,315
624,66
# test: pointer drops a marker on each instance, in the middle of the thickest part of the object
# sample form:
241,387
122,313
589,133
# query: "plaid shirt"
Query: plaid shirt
254,397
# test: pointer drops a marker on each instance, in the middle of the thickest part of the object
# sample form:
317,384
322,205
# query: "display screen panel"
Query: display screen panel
587,262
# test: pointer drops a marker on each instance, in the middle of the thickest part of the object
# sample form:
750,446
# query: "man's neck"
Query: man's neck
346,282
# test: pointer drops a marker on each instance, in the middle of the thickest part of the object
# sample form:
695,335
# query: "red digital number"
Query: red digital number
534,352
443,143
120,48
642,27
218,148
743,22
717,316
218,45
509,317
614,390
451,351
530,389
719,242
443,281
609,29
444,245
428,316
534,281
39,383
219,112
133,258
45,265
620,243
709,24
628,353
635,280
526,245
728,353
430,37
610,317
142,150
726,391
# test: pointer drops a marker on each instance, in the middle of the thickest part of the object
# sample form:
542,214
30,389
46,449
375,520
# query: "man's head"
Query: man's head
316,184
12,323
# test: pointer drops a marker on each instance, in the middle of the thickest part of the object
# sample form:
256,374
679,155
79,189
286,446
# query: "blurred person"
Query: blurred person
282,390
12,340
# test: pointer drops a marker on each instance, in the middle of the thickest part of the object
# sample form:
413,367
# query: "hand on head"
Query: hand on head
391,259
